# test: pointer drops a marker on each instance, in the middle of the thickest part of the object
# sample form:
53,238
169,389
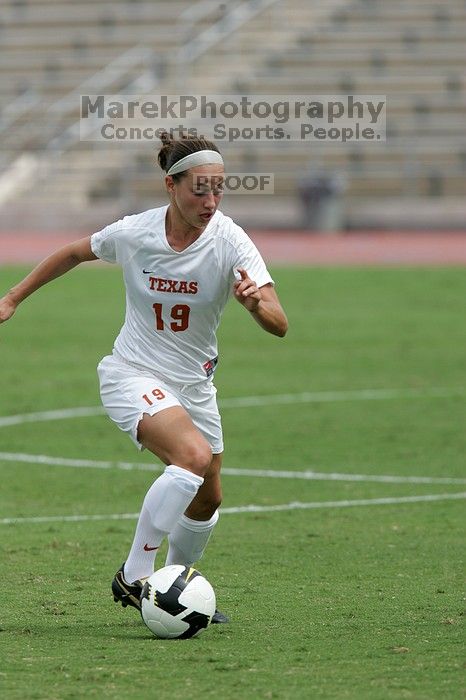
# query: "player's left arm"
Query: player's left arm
262,303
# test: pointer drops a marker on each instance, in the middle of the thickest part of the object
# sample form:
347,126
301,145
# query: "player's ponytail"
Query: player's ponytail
172,150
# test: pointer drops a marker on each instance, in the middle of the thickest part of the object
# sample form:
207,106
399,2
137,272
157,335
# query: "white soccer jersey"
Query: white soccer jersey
174,300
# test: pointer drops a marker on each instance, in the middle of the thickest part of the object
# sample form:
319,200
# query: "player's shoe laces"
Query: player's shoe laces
124,592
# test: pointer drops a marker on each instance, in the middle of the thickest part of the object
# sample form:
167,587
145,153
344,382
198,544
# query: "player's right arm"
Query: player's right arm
49,269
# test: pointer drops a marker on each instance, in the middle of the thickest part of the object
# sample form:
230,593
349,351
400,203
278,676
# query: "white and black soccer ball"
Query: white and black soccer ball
177,602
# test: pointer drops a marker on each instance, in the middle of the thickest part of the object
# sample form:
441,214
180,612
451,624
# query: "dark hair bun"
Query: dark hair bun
168,143
173,150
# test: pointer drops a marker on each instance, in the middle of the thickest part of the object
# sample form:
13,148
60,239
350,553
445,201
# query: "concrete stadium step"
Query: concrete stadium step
363,83
370,38
124,36
59,13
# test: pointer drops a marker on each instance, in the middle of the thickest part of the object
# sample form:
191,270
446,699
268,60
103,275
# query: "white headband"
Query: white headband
199,158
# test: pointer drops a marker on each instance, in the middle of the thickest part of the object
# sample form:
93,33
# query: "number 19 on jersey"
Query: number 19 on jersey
179,315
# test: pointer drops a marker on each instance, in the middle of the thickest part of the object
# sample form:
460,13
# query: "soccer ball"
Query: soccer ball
177,602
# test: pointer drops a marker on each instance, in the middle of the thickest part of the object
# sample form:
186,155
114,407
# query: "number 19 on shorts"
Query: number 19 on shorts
179,315
157,393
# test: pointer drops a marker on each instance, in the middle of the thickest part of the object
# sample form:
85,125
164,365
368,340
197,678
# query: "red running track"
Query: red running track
295,248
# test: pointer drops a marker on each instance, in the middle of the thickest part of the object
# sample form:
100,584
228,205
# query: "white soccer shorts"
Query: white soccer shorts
128,392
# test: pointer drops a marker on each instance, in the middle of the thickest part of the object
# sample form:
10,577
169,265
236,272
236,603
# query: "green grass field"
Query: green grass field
339,601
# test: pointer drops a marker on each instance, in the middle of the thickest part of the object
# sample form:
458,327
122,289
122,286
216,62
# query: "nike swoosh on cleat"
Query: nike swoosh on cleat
149,549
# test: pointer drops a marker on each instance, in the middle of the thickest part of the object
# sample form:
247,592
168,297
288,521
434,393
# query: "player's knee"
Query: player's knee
196,458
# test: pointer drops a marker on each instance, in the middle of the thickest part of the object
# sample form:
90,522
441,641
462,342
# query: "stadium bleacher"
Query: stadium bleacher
53,50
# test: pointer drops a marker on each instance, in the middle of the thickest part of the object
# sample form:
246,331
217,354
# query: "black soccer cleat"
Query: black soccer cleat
124,592
218,618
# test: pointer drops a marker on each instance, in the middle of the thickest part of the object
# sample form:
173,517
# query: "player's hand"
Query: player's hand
7,308
246,291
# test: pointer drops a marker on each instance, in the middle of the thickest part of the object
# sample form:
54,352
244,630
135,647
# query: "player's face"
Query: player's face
198,194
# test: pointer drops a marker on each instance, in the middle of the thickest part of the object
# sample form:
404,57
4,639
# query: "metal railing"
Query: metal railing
233,20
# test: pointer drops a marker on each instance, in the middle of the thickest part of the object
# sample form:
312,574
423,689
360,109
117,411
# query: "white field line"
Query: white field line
59,414
250,509
228,471
331,396
251,401
335,476
77,463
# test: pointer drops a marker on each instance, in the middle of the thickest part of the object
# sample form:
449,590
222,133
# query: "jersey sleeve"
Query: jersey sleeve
248,257
104,243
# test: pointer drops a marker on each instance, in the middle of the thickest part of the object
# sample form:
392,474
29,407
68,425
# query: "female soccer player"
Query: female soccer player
180,263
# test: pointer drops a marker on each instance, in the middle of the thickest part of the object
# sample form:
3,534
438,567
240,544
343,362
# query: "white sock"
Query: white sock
188,540
164,504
